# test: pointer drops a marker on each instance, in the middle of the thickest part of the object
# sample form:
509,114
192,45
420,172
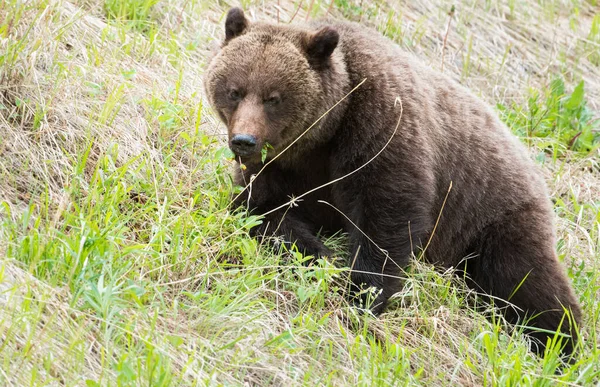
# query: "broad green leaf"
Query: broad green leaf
576,98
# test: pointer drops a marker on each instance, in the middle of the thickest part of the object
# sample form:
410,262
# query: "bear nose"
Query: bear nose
243,144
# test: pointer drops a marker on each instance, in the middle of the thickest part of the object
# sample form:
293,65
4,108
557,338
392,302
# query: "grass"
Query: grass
121,264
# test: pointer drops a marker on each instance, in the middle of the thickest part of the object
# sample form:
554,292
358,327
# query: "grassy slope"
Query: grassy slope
121,266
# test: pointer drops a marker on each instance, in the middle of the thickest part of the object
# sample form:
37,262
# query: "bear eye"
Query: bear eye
234,95
274,99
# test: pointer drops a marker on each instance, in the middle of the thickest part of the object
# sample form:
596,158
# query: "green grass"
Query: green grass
134,13
121,263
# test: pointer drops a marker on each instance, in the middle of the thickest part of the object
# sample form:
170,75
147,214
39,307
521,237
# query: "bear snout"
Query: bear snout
243,144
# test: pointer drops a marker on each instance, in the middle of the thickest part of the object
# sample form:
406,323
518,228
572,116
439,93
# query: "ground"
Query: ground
120,263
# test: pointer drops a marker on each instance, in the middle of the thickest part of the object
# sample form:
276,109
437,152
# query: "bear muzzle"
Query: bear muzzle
243,144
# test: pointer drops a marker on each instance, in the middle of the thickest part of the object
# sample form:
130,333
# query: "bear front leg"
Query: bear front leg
369,269
382,248
389,210
380,263
289,229
289,226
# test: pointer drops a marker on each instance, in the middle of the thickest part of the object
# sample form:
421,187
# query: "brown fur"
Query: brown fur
272,82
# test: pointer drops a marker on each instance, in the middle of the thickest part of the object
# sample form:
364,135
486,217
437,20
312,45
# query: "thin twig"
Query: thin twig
437,221
330,8
312,2
450,14
295,13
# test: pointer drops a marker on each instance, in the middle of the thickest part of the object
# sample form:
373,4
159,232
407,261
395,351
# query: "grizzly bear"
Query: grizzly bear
330,118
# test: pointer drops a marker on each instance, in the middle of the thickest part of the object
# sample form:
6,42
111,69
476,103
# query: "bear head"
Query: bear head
269,83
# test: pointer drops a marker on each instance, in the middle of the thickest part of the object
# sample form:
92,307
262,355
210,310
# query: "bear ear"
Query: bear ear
320,45
235,23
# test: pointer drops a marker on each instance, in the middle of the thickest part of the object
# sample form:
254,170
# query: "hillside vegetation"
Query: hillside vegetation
121,263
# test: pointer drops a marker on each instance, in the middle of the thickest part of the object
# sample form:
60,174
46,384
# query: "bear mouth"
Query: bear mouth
247,156
242,152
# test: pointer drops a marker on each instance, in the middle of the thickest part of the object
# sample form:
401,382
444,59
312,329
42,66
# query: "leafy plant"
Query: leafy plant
563,119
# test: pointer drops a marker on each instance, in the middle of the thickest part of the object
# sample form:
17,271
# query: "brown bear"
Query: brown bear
414,162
